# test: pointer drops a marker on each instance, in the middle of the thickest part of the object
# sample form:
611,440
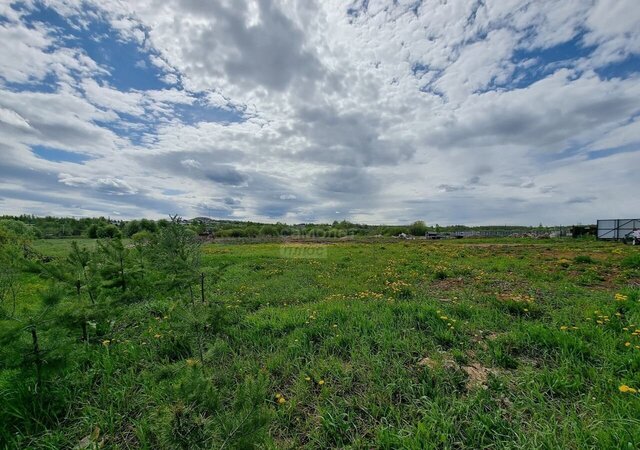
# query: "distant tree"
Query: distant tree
132,227
92,231
109,231
19,230
417,228
269,230
148,225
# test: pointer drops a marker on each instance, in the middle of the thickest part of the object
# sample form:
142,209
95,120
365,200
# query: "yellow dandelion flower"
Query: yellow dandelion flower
320,382
625,388
106,342
281,400
157,336
307,378
564,327
627,344
191,362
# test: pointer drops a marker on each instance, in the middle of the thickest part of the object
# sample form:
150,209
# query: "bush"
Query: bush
418,228
109,231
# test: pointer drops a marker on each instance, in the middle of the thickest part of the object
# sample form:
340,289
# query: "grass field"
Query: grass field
373,344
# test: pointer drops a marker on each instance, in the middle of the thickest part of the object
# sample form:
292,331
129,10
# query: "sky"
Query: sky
447,111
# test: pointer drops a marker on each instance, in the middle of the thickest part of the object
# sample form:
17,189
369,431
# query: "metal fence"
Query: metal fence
616,229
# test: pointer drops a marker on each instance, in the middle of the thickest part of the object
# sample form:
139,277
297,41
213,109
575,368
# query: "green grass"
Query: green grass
371,344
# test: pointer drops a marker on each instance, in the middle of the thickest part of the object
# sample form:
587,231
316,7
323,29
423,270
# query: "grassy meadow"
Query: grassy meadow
356,344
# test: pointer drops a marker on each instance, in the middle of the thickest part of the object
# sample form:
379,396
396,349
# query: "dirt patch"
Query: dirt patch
447,284
428,362
477,376
446,363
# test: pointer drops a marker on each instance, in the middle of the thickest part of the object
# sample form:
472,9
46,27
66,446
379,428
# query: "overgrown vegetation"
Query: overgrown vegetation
54,227
159,341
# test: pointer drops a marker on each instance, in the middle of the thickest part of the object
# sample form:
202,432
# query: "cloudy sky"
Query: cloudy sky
450,111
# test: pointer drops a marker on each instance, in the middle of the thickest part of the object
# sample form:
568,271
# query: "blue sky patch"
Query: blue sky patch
534,65
622,69
129,66
56,155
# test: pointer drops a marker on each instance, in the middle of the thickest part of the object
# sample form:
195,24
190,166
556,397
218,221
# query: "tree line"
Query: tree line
101,227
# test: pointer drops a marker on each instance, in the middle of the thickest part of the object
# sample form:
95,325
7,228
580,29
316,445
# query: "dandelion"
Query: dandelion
627,344
307,378
564,327
625,388
106,342
157,336
191,362
281,400
444,317
320,382
621,297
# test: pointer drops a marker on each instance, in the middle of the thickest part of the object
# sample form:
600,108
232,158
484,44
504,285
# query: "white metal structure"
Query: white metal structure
616,228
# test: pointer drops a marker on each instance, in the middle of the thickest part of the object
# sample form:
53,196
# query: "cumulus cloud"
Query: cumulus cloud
386,111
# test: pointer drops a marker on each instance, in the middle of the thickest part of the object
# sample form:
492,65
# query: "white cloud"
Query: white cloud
410,111
13,118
